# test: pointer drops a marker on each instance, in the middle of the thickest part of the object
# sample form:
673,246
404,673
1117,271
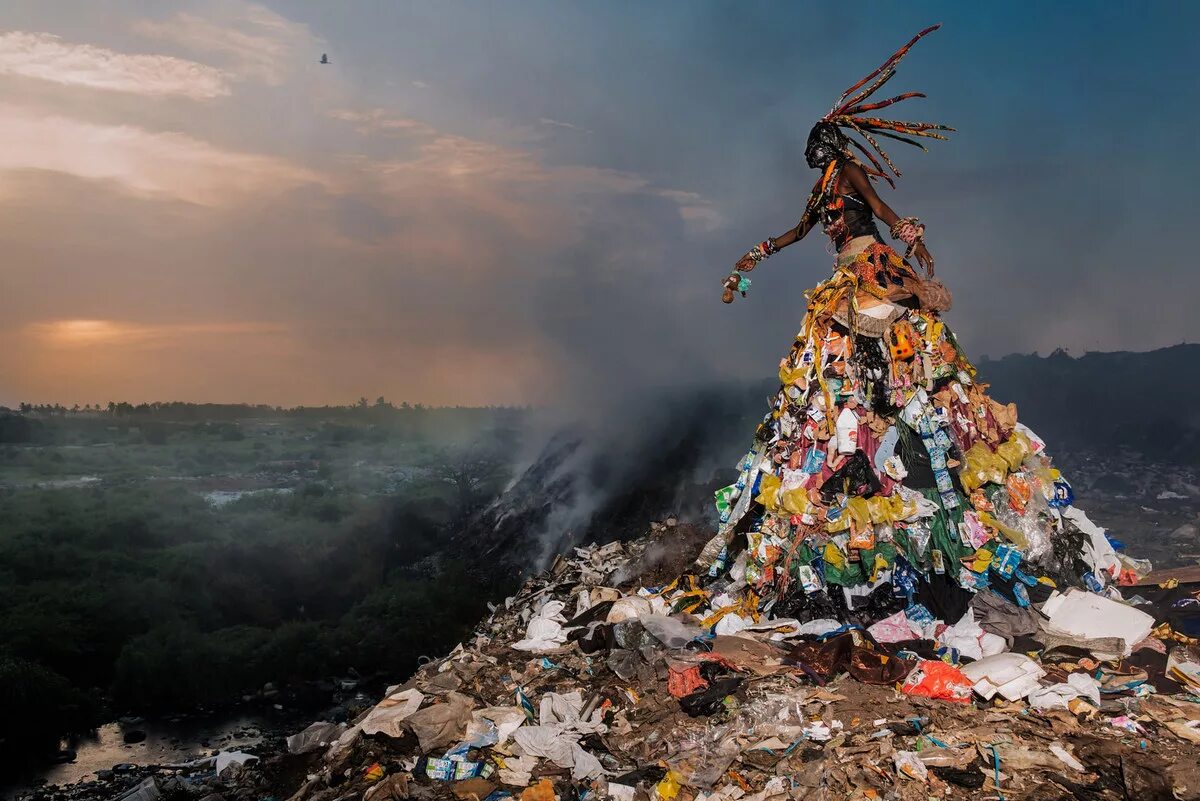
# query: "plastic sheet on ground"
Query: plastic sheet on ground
673,632
443,723
317,736
545,631
558,733
1059,696
388,716
493,725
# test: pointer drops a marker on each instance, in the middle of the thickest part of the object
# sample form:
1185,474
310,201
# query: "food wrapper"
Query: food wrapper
981,466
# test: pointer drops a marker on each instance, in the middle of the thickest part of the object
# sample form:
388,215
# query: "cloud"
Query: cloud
380,121
256,42
516,185
695,210
561,124
47,57
141,161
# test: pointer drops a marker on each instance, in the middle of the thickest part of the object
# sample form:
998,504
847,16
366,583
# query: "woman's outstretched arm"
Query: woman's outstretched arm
788,237
759,252
862,185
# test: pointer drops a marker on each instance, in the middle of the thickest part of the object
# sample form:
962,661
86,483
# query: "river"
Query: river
167,741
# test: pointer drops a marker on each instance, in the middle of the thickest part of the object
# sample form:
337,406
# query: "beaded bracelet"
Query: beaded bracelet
762,250
908,230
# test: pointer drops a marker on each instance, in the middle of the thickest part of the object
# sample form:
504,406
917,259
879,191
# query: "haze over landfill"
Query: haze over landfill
194,208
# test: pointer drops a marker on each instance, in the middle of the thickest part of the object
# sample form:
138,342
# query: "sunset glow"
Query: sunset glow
89,333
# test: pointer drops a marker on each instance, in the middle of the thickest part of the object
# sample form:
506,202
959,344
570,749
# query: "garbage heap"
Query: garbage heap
625,672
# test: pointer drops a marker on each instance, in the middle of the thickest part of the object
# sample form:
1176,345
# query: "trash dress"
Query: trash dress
884,475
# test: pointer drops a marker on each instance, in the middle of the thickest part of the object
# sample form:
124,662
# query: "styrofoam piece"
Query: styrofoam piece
1078,613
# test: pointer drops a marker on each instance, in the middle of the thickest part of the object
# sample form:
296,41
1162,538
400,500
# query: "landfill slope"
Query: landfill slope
594,681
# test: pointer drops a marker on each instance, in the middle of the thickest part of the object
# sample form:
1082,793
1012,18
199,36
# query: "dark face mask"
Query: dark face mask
824,145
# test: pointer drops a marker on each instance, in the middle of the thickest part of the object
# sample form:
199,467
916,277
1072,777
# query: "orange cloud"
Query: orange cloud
378,120
141,161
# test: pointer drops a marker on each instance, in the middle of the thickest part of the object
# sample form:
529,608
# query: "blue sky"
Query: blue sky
537,201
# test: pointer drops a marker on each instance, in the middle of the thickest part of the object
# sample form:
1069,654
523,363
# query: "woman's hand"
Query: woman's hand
924,259
745,264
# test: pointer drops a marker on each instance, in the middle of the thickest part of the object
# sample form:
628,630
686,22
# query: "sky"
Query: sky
536,202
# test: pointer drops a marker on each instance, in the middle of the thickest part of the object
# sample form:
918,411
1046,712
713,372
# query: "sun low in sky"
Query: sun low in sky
536,202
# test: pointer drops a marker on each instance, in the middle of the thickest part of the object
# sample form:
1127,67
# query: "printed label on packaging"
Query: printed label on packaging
809,579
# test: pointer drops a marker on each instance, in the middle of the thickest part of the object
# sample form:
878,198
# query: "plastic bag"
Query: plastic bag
981,466
908,763
671,631
1019,492
628,608
863,539
796,502
933,679
856,516
768,491
1014,450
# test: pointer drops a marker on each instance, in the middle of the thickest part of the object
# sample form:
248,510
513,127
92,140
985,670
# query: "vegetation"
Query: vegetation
157,558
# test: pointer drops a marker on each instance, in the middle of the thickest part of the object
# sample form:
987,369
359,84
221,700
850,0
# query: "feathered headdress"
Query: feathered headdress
848,110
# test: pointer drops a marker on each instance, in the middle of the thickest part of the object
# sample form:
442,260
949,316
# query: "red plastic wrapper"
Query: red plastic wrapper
685,680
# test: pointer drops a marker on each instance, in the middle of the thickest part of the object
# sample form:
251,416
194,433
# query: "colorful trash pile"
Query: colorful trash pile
629,672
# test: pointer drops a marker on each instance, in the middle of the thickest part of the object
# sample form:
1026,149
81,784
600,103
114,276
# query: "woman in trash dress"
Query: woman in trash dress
883,468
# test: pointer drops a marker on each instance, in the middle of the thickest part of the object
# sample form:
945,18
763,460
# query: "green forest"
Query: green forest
156,559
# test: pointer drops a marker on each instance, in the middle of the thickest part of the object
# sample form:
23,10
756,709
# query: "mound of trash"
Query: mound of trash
626,672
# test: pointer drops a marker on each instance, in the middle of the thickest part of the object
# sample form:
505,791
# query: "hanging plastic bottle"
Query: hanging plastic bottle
847,431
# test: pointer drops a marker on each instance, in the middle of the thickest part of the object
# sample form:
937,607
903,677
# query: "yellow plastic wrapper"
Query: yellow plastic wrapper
1047,476
981,560
768,491
981,466
796,501
668,788
856,517
858,511
889,509
834,557
1013,535
794,375
935,331
1014,450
